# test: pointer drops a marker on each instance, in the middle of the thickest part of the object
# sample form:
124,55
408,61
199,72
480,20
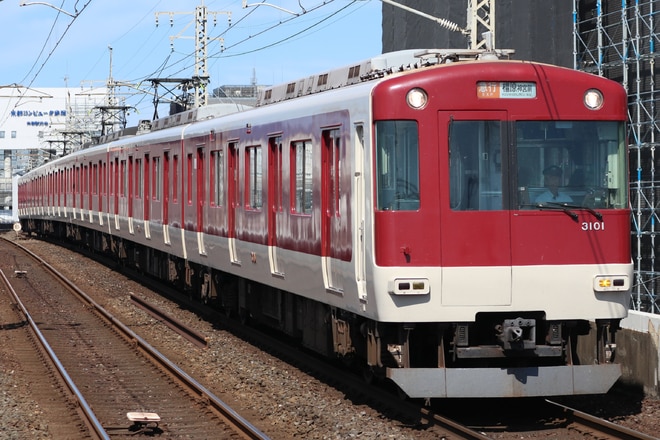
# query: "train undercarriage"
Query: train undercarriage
498,355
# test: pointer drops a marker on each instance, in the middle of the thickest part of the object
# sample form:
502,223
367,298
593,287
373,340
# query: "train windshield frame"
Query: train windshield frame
578,164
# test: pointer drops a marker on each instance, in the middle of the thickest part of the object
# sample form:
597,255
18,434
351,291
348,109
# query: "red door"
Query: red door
201,193
274,199
232,199
331,220
480,226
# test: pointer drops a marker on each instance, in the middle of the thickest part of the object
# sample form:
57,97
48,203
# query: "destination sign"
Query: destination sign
513,90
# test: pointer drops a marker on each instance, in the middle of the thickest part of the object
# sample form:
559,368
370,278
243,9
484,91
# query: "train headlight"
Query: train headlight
593,99
611,283
417,98
409,286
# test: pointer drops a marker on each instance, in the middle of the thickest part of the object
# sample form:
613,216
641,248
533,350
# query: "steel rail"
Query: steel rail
188,333
89,414
604,426
247,429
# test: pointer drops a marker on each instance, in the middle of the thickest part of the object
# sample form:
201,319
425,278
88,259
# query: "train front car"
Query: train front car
501,230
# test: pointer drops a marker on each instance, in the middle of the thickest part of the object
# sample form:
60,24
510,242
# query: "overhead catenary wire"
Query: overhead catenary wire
4,117
179,62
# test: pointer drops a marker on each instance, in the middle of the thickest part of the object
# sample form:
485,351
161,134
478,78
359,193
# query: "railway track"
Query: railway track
595,427
131,387
565,423
538,418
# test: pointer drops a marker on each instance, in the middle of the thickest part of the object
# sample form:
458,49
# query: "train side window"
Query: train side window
95,179
397,165
138,178
475,166
114,177
332,148
124,179
254,177
301,156
189,179
104,177
175,178
156,179
217,178
275,172
85,179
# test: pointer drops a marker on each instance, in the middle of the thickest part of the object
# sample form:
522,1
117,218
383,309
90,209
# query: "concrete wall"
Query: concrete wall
637,351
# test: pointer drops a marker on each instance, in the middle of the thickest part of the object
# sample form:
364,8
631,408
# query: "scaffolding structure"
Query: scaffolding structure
617,39
83,123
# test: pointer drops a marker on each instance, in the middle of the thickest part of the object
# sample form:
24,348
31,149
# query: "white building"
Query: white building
38,124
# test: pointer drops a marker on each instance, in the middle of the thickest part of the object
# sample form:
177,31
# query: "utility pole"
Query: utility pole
481,24
480,28
201,77
112,113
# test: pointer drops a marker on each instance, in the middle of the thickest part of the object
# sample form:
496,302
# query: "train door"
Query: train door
274,199
165,191
232,199
99,185
200,199
331,240
130,194
75,189
146,195
146,189
117,179
89,187
359,209
474,213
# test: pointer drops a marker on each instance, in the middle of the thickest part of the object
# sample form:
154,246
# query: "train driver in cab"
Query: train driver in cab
552,177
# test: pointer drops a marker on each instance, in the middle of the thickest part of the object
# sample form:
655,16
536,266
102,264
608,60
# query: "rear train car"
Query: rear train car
454,222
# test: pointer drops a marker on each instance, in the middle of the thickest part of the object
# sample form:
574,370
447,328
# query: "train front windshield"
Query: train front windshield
553,163
580,163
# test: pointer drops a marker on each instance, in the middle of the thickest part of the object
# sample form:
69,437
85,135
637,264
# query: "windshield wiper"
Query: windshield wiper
596,214
558,207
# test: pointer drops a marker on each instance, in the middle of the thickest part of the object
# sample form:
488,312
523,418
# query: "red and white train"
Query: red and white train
394,212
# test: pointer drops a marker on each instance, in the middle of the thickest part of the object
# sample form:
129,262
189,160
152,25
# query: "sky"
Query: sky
272,41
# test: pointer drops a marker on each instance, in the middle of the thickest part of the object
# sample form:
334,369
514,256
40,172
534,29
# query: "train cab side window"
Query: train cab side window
475,166
397,166
301,156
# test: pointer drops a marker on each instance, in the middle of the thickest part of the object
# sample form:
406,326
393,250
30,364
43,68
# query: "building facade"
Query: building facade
37,125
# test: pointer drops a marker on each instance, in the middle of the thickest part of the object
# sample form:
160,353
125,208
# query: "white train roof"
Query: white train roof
367,70
373,68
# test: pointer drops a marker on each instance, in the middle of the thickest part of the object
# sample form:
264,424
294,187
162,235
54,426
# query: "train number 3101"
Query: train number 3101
593,226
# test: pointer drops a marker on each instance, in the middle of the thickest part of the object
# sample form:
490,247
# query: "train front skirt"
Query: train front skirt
505,382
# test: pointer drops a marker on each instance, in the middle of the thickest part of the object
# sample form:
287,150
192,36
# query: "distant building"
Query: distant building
37,125
236,94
